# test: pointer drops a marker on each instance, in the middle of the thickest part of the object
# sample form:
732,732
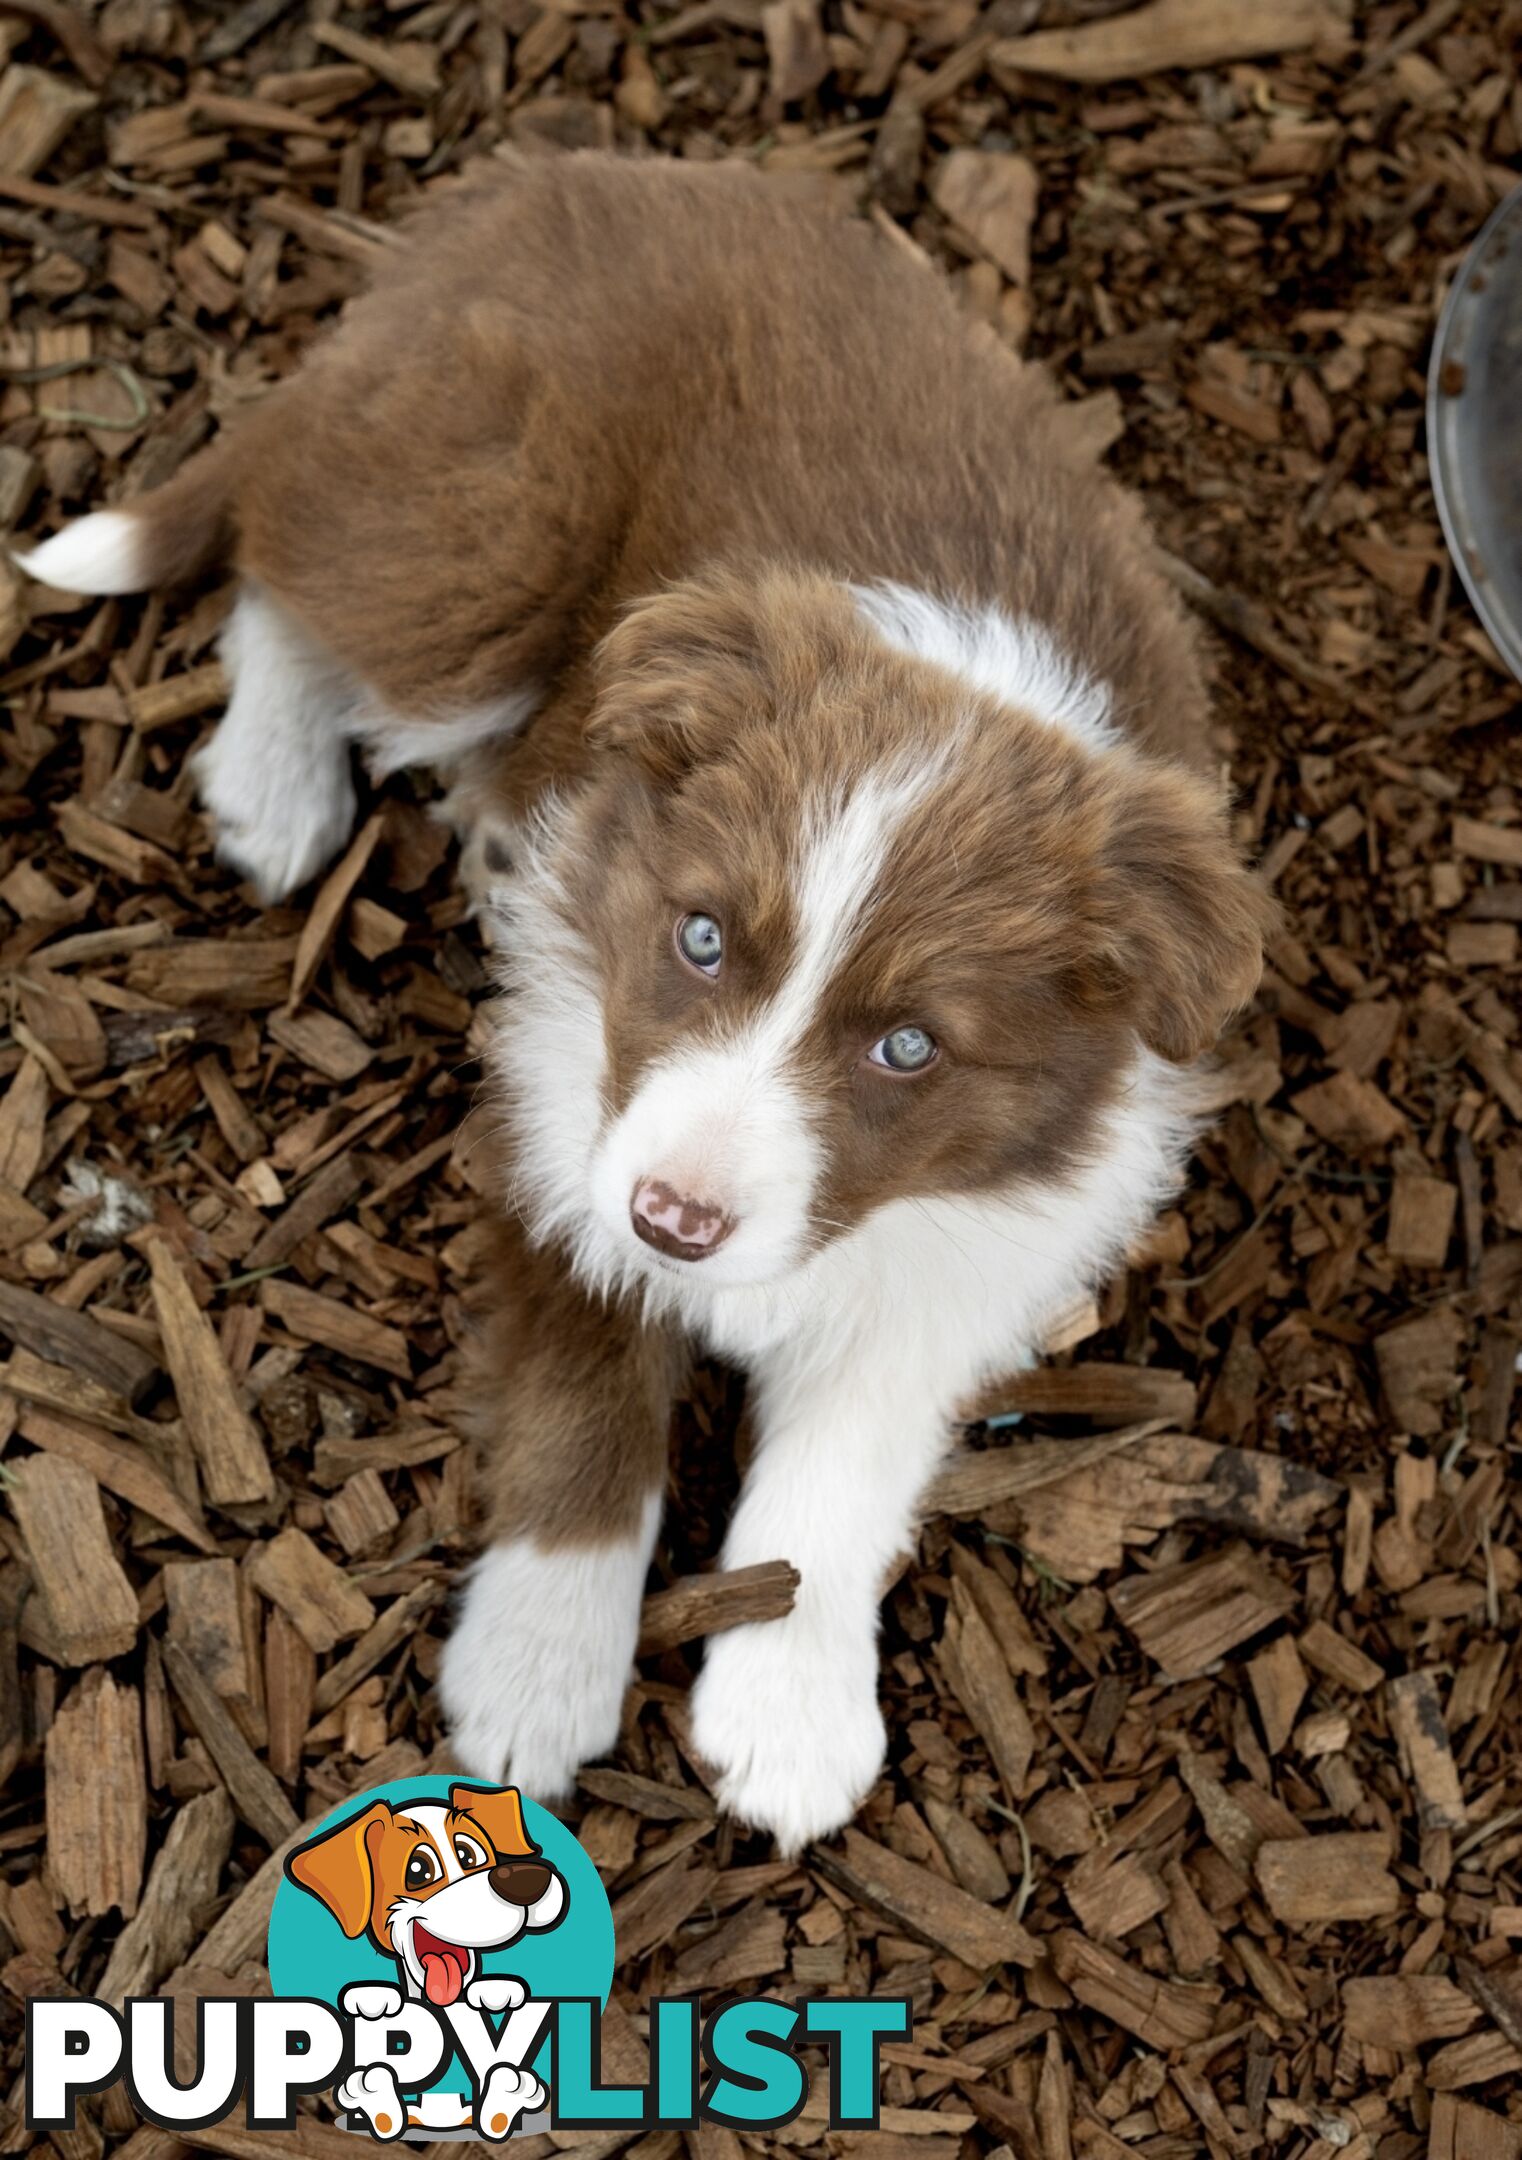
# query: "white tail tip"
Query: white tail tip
101,554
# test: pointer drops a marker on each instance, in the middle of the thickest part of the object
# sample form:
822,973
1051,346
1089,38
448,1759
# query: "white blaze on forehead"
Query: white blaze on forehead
844,844
1006,656
726,1120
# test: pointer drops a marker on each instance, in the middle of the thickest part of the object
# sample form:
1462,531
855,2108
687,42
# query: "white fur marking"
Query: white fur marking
275,775
726,1120
1015,661
541,1652
557,1008
102,553
393,744
842,849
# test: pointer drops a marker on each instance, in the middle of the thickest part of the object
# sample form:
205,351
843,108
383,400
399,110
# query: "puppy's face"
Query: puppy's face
861,933
434,1885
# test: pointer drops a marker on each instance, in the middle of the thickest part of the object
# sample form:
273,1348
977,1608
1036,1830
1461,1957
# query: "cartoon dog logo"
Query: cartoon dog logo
433,1886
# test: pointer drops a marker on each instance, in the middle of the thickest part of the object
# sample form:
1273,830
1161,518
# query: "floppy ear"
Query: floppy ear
498,1811
338,1868
1184,921
677,674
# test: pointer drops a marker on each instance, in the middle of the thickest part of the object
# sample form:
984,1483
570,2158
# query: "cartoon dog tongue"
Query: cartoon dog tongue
443,1975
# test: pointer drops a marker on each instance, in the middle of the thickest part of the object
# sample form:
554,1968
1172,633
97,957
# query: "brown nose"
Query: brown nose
521,1882
685,1229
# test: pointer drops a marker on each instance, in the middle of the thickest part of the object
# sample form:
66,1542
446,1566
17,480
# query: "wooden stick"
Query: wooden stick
136,217
183,1879
389,1632
923,1904
255,1791
91,1611
708,1604
86,945
1501,2008
976,1482
97,1796
73,1340
233,1461
12,1724
1230,611
326,1195
121,1466
239,1931
73,33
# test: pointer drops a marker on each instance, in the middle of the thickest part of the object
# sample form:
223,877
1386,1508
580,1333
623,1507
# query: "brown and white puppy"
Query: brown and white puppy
864,893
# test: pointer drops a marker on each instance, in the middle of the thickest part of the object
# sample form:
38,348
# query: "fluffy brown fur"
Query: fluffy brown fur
580,380
571,1398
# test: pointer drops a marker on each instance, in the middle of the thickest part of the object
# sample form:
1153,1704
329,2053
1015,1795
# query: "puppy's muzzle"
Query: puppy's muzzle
521,1882
674,1224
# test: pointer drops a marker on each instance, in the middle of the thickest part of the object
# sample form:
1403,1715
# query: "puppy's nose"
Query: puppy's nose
674,1223
521,1882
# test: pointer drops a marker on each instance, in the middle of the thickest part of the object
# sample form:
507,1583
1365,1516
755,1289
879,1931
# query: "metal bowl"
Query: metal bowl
1474,426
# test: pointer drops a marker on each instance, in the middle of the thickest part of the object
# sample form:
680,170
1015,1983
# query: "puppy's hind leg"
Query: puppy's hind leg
276,775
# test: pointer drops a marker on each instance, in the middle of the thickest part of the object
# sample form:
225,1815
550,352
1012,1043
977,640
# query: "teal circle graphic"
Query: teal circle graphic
309,1954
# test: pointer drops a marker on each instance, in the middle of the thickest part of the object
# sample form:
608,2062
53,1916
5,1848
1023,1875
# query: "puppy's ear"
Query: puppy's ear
498,1811
678,674
1183,922
339,1868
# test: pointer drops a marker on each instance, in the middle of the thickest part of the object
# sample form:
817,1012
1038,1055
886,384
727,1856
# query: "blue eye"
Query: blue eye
700,942
906,1050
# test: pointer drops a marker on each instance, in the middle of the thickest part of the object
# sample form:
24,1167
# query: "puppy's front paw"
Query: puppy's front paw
375,2094
792,1726
496,1992
533,1675
371,1999
506,2098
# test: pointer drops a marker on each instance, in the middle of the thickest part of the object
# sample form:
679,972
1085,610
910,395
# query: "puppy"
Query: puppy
433,1887
836,756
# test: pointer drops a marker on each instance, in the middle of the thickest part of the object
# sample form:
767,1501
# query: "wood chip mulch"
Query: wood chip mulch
1202,1831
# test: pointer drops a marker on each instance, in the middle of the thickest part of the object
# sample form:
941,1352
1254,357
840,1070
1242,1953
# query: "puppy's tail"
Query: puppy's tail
180,530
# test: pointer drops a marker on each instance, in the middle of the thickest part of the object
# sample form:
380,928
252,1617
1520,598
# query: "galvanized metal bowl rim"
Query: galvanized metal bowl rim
1452,487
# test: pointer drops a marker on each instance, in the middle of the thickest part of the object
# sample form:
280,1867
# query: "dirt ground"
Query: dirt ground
1202,1830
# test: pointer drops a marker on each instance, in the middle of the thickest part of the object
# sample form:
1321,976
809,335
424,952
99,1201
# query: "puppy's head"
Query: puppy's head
434,1884
861,931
